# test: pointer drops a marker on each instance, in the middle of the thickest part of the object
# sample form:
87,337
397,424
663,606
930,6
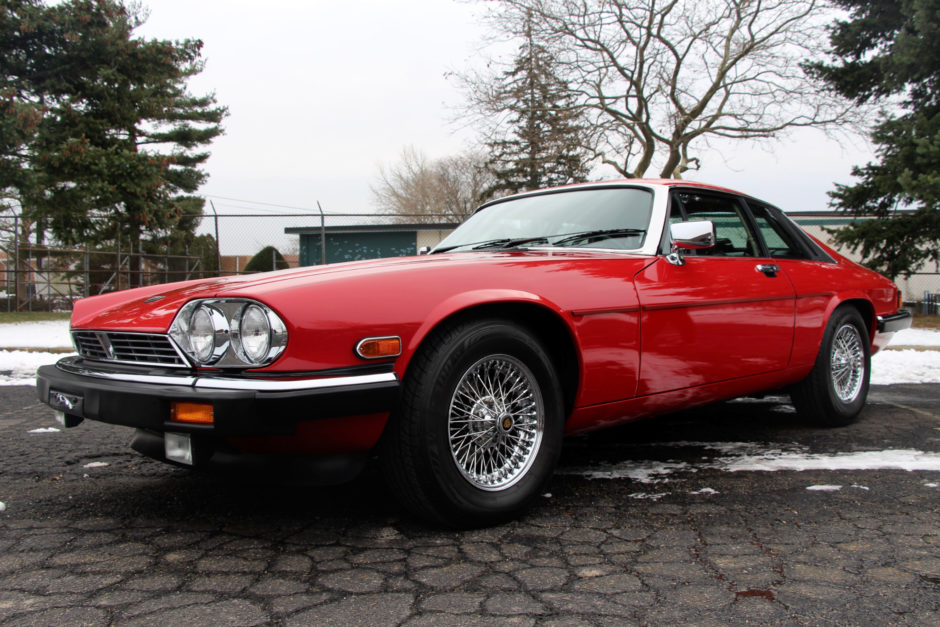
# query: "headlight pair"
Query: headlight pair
229,332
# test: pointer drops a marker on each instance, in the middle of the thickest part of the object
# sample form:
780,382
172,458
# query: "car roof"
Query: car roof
616,183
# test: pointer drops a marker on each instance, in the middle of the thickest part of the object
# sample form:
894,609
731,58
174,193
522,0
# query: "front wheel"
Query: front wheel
834,392
480,426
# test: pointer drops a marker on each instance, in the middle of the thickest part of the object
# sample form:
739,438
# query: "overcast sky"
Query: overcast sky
320,94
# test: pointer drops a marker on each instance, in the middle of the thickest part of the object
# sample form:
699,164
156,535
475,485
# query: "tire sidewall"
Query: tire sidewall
839,408
452,490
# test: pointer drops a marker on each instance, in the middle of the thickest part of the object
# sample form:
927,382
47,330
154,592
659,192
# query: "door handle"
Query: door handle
770,269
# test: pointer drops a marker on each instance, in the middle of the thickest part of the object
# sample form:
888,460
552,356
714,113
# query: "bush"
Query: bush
268,258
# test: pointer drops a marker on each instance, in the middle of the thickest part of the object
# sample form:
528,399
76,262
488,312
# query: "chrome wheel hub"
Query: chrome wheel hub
847,363
495,423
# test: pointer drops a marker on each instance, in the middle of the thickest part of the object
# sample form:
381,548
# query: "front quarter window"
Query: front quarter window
607,218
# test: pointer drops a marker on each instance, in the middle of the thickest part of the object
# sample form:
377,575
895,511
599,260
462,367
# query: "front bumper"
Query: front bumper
242,406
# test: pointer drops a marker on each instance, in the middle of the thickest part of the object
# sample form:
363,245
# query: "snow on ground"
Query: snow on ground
916,337
44,334
19,367
44,430
753,457
905,366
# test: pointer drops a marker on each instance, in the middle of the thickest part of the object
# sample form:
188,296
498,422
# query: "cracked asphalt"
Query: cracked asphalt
94,534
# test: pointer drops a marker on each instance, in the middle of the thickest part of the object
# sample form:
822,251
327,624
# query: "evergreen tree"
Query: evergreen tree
115,153
265,260
543,144
888,51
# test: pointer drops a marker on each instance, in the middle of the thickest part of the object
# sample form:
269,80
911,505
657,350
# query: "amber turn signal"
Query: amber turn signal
379,347
194,413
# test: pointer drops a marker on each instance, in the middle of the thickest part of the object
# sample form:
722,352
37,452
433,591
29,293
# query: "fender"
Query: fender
463,301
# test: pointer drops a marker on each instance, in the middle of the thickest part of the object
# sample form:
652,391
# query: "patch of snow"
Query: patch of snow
643,472
3,506
824,488
706,491
931,485
19,367
860,487
43,334
894,459
44,430
95,465
644,496
916,337
753,457
907,366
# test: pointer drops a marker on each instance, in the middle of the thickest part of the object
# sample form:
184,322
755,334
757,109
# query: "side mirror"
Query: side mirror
690,236
424,250
693,235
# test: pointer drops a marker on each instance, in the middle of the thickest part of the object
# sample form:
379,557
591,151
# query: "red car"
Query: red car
546,313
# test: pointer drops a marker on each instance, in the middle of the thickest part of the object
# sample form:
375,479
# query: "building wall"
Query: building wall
354,246
432,238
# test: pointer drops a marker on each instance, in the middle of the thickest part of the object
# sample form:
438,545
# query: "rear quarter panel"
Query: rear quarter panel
821,287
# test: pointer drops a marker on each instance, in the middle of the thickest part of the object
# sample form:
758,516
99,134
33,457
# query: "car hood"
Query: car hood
152,309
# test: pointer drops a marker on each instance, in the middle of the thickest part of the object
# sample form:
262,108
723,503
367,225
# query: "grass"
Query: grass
31,316
928,321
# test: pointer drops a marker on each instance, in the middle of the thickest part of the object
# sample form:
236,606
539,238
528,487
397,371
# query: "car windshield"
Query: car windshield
616,218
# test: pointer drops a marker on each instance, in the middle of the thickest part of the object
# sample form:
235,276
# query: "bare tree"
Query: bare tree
657,76
423,191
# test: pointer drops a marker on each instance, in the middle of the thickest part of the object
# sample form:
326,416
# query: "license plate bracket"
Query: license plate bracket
67,403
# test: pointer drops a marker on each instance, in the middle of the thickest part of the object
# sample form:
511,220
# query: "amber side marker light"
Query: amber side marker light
379,347
194,413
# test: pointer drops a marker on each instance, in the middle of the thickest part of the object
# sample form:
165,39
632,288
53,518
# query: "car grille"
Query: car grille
149,349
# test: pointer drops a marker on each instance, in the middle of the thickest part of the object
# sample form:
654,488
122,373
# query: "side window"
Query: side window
734,235
780,243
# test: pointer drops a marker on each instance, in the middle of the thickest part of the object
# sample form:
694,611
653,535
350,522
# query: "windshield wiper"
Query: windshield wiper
507,242
597,235
502,242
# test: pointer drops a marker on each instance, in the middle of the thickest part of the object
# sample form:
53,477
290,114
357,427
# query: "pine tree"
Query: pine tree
888,51
540,144
119,143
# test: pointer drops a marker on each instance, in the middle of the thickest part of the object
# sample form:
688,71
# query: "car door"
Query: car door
726,313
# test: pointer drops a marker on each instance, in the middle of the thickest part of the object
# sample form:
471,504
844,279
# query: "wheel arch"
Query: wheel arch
548,326
864,307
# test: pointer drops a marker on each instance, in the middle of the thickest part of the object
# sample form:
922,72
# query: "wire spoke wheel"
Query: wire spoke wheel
847,363
496,422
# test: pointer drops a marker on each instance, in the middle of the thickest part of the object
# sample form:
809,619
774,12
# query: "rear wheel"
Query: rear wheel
834,392
480,425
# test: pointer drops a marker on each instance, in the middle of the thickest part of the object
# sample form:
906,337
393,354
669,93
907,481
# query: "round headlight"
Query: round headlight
255,333
202,334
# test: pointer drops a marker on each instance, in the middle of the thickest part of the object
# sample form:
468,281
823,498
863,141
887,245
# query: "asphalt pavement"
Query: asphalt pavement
93,533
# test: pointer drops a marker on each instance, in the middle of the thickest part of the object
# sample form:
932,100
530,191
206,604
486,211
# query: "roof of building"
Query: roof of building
372,228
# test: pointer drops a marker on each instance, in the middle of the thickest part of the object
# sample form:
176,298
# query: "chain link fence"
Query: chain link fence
49,278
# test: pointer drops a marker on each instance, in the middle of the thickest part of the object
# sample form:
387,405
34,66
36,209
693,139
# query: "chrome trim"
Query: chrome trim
379,337
231,310
893,323
694,235
227,383
268,385
106,345
186,363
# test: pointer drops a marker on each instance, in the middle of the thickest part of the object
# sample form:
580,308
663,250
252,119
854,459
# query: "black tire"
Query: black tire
516,430
834,392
